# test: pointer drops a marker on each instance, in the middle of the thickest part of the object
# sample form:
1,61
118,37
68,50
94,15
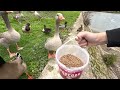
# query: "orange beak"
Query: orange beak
61,18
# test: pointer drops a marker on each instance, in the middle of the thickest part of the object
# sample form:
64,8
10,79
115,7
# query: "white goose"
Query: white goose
9,37
53,43
37,14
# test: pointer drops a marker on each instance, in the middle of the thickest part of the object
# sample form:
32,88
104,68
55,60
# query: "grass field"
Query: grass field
34,53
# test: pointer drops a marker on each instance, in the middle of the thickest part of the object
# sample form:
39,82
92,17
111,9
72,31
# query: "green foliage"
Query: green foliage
109,59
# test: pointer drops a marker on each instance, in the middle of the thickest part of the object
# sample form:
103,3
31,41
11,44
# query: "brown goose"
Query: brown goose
53,43
9,37
12,69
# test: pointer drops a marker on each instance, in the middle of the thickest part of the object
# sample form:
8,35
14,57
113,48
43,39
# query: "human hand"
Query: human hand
89,39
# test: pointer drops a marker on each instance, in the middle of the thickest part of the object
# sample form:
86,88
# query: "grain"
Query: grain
71,61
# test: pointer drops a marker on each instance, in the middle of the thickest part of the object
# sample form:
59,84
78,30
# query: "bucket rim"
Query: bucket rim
73,69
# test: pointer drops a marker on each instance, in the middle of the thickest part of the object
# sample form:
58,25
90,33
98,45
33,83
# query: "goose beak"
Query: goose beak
61,18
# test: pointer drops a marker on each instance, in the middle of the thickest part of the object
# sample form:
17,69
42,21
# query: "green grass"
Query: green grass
34,53
109,59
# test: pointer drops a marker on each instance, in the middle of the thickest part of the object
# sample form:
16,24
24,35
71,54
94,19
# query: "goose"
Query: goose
18,16
1,12
53,43
37,14
12,69
26,28
46,30
9,37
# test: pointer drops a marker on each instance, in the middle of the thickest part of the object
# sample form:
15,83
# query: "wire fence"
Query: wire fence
42,14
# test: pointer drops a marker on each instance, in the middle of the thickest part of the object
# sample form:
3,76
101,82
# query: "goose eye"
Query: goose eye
21,57
17,54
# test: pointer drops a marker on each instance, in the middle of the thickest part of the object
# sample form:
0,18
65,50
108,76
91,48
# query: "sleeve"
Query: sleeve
2,61
113,37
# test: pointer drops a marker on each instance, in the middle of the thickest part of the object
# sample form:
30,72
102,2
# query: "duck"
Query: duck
62,27
53,43
80,29
46,30
12,69
26,28
9,37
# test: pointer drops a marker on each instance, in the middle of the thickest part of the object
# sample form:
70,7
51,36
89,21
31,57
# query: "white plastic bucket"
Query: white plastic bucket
82,54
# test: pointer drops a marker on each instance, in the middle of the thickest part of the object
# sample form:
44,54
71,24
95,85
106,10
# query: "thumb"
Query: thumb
78,38
81,35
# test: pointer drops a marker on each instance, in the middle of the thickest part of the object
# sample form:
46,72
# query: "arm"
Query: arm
113,37
2,61
90,39
110,37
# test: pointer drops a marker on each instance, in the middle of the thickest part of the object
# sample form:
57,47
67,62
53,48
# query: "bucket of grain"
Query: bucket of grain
72,60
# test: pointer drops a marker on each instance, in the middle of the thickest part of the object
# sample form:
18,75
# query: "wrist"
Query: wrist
102,38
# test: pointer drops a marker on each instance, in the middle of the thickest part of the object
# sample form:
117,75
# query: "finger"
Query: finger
83,42
77,38
81,35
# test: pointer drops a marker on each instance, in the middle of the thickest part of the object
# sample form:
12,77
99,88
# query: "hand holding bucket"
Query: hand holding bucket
76,50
